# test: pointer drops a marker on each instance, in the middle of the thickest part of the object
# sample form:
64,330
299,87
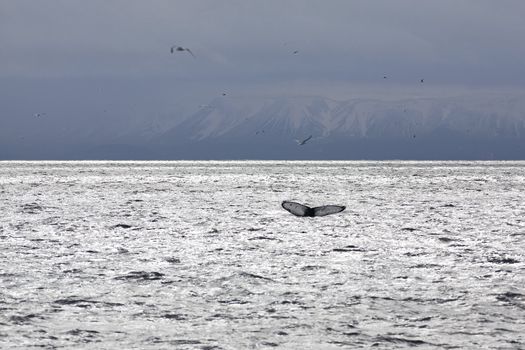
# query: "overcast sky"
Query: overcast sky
64,55
463,42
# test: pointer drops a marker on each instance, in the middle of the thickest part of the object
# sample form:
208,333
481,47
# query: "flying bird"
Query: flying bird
38,115
302,142
180,48
295,52
302,210
422,80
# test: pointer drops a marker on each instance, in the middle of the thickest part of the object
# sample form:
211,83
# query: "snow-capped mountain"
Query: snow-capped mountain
358,118
470,127
488,127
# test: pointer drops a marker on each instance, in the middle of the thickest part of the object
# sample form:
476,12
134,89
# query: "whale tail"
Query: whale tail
328,209
303,210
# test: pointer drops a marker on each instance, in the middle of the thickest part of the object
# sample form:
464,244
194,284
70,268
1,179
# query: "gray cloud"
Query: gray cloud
473,42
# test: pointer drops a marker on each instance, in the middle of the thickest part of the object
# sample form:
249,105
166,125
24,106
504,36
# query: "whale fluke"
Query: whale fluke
302,210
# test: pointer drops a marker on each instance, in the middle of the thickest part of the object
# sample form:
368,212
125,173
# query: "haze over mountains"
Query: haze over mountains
476,127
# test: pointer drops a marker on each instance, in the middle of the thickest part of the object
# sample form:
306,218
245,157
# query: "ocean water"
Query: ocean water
200,255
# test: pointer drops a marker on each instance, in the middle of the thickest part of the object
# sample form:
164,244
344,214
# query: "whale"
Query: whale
298,209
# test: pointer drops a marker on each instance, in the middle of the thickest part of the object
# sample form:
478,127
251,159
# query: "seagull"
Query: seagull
38,115
302,142
422,80
180,48
296,52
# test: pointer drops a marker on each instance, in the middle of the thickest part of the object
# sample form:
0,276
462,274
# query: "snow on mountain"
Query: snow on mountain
472,127
291,117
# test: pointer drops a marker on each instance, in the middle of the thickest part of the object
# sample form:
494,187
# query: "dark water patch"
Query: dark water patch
8,275
270,344
221,316
511,298
263,238
141,276
19,319
447,239
31,208
375,297
505,330
254,276
233,302
400,341
425,266
415,253
252,229
177,317
84,335
448,206
502,260
423,319
82,332
431,301
517,234
172,260
91,251
312,267
409,229
126,226
349,248
176,342
83,303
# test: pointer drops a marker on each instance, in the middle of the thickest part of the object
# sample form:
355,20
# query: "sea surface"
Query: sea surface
200,255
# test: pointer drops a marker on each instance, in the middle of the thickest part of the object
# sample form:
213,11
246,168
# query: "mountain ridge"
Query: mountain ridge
236,127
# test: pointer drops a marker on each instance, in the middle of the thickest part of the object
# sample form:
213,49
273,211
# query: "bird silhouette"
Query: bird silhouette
302,142
180,48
